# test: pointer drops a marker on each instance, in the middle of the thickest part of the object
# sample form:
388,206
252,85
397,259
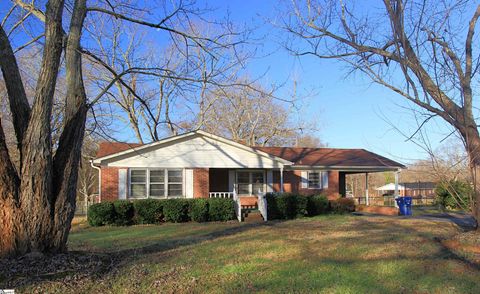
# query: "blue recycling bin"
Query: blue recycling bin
408,205
401,205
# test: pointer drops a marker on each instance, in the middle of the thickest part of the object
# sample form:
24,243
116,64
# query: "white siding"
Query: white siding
189,183
122,184
198,152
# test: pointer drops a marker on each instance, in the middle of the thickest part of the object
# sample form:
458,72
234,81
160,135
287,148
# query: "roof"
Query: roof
408,186
296,156
330,157
108,148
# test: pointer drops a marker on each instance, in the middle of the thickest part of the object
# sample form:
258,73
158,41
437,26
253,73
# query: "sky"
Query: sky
351,111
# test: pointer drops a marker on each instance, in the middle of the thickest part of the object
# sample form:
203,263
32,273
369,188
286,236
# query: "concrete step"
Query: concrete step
253,217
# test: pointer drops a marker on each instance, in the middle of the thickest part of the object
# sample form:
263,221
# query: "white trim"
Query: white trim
122,184
192,134
188,183
359,169
304,179
147,183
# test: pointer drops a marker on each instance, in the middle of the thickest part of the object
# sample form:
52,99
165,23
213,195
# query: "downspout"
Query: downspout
99,180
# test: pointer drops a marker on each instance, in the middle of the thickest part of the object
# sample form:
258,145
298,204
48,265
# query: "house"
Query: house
200,165
414,189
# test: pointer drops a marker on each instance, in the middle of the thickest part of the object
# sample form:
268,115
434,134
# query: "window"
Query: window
257,182
138,180
175,183
157,183
314,180
250,182
243,183
161,183
317,179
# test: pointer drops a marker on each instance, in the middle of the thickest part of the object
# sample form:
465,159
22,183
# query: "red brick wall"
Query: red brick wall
109,188
292,183
201,182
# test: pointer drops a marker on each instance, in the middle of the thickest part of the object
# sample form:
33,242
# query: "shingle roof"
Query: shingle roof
108,148
299,156
330,157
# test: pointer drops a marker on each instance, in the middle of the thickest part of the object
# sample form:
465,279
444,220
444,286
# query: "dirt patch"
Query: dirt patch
465,244
456,245
383,210
71,268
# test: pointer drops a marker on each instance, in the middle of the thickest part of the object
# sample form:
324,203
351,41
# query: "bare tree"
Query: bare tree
37,199
421,50
253,116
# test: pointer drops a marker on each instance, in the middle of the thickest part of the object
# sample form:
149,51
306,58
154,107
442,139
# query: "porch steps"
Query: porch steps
251,214
253,217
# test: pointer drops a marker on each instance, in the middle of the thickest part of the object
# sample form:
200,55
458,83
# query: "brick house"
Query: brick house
201,165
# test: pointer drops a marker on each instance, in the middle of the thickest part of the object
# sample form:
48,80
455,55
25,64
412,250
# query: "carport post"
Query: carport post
366,189
397,174
281,179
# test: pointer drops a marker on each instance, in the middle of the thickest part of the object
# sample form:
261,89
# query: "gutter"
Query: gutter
99,180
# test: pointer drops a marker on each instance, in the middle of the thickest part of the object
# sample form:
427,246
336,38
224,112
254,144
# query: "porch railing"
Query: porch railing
262,205
237,205
221,194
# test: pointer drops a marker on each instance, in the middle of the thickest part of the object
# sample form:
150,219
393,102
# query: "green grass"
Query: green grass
326,254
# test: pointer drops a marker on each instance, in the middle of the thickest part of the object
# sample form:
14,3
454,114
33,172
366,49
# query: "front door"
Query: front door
250,183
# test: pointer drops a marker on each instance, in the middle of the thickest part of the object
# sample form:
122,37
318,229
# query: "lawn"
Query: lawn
329,254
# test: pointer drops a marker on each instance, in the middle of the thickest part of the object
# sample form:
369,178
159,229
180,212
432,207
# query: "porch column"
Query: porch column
395,194
366,189
281,179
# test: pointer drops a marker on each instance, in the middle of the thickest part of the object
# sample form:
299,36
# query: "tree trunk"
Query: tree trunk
471,138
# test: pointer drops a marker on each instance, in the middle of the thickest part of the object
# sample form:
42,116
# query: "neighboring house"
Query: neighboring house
415,189
201,165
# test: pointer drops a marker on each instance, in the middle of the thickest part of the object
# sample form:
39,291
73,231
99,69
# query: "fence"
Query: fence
390,200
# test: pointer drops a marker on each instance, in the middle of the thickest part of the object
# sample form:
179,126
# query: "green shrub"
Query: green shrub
101,214
454,194
342,205
221,209
199,210
286,205
123,212
148,211
273,211
176,210
317,204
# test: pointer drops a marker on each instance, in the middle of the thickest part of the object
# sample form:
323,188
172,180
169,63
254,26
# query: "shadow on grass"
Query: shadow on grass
26,271
358,234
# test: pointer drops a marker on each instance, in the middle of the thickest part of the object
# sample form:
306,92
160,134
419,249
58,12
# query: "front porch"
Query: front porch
247,187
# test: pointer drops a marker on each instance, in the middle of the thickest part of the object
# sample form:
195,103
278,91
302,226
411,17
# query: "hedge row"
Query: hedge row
289,206
153,211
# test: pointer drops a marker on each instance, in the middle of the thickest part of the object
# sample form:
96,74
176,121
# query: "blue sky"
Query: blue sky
351,112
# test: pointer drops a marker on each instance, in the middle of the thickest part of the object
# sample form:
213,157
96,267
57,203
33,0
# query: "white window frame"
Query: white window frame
130,183
321,184
150,183
165,185
250,181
